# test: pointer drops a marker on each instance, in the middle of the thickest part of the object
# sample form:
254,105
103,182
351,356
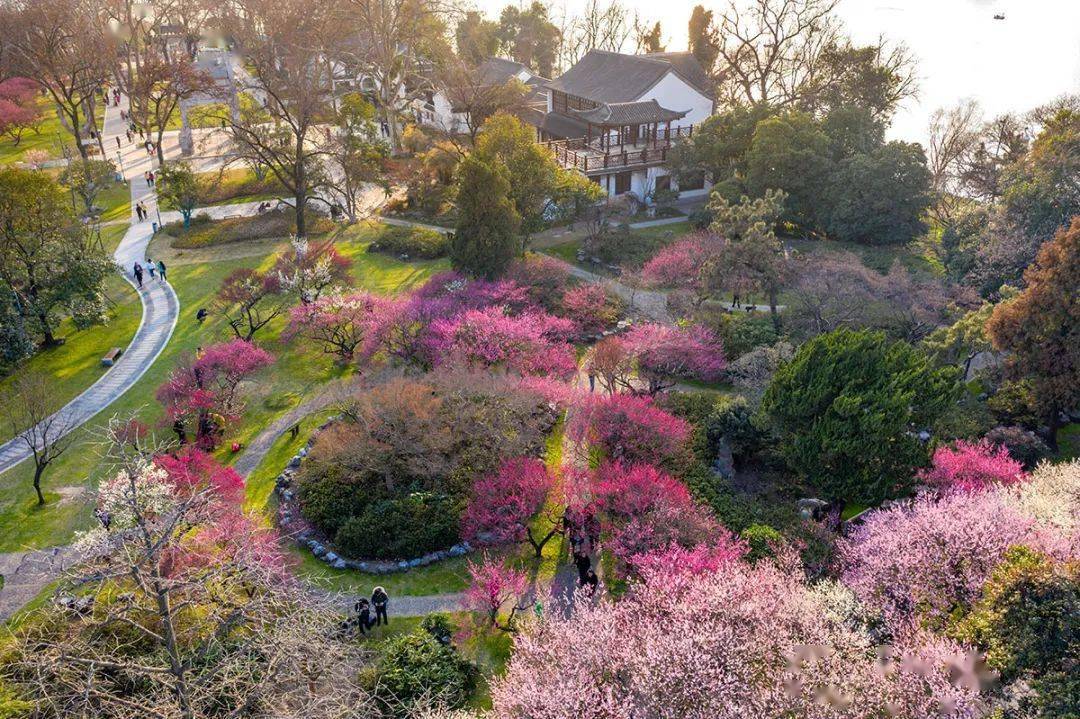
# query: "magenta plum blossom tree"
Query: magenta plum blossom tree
19,111
529,343
742,641
496,590
679,265
664,354
972,466
918,561
338,323
630,429
590,307
545,278
204,391
643,510
503,503
192,470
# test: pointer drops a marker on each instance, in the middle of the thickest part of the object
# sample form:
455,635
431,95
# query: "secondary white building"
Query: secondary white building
613,117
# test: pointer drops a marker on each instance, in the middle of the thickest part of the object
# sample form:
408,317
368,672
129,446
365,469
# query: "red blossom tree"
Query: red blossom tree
205,390
495,589
590,307
631,429
18,108
340,324
972,466
192,470
665,354
503,504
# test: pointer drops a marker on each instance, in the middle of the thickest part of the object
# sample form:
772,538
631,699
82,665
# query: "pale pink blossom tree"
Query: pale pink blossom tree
496,590
741,641
918,561
338,323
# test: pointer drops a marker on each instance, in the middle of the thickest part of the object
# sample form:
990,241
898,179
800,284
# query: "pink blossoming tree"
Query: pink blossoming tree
971,466
529,343
494,590
742,641
193,470
664,354
590,307
630,429
338,323
503,504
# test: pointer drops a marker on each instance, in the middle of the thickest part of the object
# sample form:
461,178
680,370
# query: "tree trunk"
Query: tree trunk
39,469
772,310
1053,424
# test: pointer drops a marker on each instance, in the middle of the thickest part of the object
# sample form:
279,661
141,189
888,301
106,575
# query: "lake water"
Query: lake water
1007,65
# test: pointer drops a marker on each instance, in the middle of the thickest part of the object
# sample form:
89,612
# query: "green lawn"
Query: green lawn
296,374
49,136
914,257
76,364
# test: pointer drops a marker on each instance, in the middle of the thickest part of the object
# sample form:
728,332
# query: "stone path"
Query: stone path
27,573
160,309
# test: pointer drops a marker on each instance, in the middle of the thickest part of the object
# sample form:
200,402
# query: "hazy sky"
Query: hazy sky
1028,58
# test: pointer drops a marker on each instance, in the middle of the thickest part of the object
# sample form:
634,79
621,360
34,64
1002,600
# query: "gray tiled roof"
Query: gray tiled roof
612,77
629,113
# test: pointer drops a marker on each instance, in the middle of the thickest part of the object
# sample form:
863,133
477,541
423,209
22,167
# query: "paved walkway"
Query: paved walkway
160,308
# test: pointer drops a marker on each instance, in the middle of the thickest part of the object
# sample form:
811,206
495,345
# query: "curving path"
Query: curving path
160,307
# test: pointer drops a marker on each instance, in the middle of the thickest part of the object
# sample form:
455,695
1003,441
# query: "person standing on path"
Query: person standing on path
138,211
363,615
138,274
150,267
117,142
379,600
161,270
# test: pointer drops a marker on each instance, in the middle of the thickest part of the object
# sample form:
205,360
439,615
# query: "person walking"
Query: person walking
152,178
363,615
138,211
161,270
379,600
146,176
150,267
117,142
128,133
145,212
138,274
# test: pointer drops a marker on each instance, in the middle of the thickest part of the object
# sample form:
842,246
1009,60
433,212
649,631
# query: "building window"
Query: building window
622,182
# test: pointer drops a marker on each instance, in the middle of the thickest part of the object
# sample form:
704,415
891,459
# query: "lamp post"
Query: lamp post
120,164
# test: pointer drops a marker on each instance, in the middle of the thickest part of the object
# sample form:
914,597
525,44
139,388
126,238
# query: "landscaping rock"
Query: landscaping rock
724,464
294,463
338,563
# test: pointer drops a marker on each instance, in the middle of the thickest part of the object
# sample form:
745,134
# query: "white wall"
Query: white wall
673,93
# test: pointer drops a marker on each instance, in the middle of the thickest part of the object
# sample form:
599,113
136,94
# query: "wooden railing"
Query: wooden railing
578,154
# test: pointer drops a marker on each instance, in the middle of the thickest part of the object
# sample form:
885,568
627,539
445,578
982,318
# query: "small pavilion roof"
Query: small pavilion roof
617,114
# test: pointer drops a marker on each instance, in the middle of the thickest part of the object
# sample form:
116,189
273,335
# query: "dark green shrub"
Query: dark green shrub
762,540
440,626
742,332
328,496
416,242
416,667
402,528
733,420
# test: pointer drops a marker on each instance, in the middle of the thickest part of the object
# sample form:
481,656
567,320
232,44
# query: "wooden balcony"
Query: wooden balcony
590,158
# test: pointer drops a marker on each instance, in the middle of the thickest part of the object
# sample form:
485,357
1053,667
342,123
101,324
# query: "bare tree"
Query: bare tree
182,608
50,42
599,27
398,46
32,410
1002,142
954,134
476,98
769,51
285,44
